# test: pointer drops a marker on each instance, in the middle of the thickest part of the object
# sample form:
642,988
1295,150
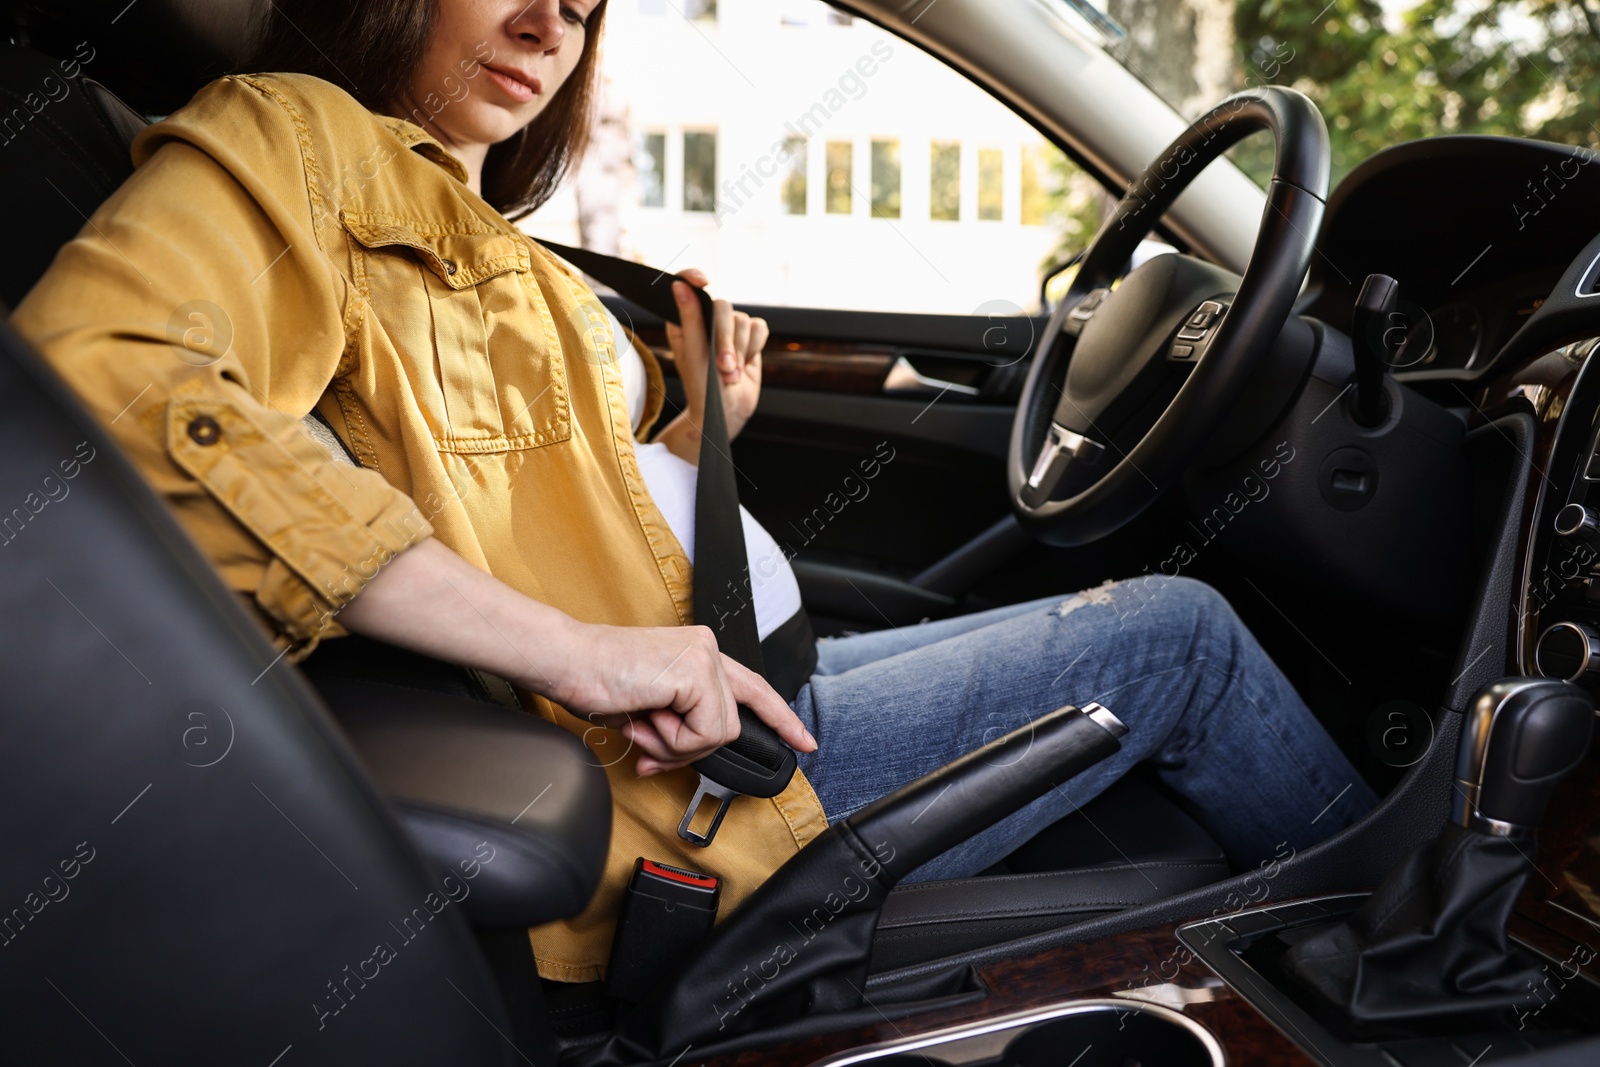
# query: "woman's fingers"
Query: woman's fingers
759,332
663,742
702,717
679,702
655,755
752,690
743,326
690,323
727,359
739,337
714,719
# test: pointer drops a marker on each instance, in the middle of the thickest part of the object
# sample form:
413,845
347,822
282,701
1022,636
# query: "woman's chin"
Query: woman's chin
501,124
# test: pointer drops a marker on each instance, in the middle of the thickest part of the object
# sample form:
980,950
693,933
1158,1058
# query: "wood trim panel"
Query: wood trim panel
857,369
1542,387
1151,962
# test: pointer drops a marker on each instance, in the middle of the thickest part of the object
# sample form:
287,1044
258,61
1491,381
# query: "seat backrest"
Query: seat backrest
194,869
63,150
72,133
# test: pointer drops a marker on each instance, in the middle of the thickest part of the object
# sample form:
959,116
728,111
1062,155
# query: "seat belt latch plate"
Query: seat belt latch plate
721,795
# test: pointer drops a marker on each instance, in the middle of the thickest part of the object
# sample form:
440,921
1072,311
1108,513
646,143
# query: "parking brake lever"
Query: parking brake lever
800,943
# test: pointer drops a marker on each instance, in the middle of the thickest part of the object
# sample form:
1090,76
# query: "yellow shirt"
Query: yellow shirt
281,248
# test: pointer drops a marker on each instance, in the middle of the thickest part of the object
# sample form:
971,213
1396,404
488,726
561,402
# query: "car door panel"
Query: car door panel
867,476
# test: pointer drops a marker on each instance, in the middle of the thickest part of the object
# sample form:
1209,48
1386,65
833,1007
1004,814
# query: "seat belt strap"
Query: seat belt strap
757,762
788,656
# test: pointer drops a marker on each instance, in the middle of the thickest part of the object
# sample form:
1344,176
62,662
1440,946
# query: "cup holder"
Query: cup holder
1083,1033
1109,1036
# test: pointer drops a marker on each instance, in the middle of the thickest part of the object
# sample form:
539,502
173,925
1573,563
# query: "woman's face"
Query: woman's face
491,66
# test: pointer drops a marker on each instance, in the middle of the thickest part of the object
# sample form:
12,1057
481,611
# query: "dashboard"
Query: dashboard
1465,333
1493,242
1477,231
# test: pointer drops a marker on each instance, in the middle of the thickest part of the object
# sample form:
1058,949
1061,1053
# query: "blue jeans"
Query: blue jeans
1203,704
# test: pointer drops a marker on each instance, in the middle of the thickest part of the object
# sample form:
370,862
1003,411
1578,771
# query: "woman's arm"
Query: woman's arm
740,339
667,689
199,314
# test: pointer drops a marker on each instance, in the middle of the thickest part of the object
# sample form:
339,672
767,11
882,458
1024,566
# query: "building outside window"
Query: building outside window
944,181
699,170
837,182
991,183
811,13
794,177
1041,185
699,10
650,163
885,179
804,136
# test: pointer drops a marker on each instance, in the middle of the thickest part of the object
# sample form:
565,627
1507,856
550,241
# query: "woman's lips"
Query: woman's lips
518,90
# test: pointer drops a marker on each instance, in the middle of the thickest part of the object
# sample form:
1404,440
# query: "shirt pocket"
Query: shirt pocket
474,334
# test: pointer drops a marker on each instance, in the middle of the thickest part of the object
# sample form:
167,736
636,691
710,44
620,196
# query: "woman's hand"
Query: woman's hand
739,341
668,690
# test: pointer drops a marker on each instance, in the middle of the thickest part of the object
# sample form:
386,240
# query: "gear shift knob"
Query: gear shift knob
1521,737
1433,941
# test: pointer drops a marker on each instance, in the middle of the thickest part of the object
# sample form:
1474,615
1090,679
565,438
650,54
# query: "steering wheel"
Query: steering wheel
1137,378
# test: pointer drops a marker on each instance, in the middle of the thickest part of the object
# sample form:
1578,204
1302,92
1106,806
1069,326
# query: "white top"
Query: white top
671,482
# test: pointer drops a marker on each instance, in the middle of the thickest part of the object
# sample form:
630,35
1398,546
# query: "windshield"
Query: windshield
1381,73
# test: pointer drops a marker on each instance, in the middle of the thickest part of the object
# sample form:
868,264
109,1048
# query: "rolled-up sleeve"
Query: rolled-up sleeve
200,316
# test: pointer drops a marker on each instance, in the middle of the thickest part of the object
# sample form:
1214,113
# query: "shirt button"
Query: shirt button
204,430
449,266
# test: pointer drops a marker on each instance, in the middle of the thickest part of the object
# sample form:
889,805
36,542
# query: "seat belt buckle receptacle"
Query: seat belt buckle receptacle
666,913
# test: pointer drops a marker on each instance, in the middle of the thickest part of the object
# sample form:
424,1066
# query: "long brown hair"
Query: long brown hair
370,48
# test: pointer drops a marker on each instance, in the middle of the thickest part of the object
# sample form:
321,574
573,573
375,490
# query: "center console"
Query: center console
1248,951
1085,1033
1211,978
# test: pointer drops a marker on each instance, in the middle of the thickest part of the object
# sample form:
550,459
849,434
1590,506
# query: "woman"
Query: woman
286,246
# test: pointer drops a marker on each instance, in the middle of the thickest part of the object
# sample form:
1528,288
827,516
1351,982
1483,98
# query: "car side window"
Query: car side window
802,157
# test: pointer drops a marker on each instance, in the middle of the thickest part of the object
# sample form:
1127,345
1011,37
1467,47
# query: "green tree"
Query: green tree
1520,69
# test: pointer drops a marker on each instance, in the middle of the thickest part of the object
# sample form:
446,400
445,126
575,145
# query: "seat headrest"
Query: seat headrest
154,53
229,26
66,149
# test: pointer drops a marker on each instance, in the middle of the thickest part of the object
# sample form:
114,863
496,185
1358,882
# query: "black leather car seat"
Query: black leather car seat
195,867
1130,846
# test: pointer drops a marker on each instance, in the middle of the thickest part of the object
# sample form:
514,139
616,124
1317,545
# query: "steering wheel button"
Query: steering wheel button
1086,307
